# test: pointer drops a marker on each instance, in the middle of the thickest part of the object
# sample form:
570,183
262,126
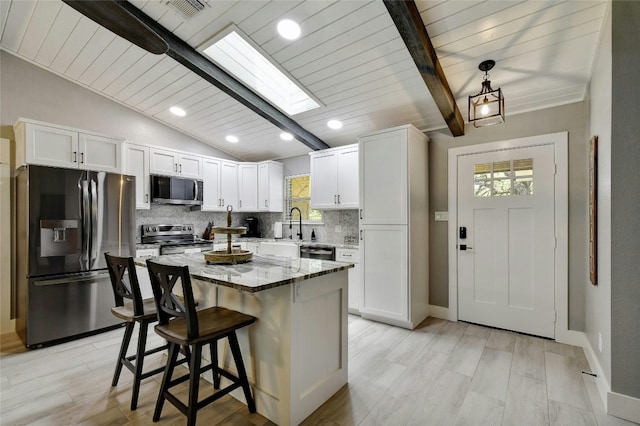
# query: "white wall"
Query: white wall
598,298
571,118
31,92
6,323
625,202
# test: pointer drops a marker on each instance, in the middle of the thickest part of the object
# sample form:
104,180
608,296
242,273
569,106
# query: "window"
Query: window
245,60
298,194
503,178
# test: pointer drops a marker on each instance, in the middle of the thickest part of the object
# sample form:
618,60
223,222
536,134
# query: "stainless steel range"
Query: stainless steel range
174,239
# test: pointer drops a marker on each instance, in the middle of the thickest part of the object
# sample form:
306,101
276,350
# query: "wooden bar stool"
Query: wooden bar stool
180,324
125,284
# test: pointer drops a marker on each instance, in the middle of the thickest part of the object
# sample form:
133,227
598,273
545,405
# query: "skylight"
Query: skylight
247,63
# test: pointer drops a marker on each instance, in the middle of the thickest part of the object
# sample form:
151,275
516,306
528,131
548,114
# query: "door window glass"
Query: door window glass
503,178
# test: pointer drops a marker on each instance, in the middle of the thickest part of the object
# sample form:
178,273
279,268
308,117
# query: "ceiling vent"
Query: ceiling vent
189,8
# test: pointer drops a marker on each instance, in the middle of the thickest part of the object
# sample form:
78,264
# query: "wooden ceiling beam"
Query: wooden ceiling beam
130,23
407,19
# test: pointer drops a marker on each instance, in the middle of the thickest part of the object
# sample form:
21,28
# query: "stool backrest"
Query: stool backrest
124,281
163,280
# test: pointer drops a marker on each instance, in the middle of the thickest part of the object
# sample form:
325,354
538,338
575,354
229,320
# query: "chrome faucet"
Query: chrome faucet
299,234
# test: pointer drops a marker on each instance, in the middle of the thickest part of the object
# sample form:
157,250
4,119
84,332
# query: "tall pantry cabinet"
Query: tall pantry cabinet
394,217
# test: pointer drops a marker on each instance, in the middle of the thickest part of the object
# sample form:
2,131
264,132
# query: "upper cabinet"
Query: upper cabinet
270,186
51,145
334,178
220,184
384,196
173,163
248,187
136,163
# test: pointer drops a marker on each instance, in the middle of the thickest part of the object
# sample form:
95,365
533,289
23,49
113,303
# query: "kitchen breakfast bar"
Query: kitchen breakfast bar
296,352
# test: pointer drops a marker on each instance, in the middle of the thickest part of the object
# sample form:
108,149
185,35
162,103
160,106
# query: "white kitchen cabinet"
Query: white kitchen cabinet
280,249
136,163
220,184
229,184
383,179
253,247
270,186
50,145
352,256
334,178
394,218
247,187
174,163
384,273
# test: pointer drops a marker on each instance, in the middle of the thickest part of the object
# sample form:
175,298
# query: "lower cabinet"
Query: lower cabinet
352,256
384,277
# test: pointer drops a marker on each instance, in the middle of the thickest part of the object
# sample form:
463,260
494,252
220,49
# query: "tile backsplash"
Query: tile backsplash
337,224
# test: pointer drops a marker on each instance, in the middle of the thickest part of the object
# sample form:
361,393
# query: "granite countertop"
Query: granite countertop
261,273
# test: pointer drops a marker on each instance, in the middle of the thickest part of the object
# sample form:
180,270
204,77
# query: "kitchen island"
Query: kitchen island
296,352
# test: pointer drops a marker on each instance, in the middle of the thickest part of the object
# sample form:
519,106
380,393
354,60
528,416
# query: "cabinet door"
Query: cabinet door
324,180
163,162
348,177
50,146
384,273
352,256
229,184
383,178
136,163
271,187
100,153
247,187
211,197
190,166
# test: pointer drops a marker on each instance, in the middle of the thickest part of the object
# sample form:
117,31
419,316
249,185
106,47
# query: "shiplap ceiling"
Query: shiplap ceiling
350,56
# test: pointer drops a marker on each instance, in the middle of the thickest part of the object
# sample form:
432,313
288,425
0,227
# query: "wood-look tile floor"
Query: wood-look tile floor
442,373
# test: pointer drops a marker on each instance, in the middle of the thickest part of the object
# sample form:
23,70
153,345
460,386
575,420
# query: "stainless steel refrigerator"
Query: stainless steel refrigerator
66,220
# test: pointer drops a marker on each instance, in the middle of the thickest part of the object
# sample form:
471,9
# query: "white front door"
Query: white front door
506,239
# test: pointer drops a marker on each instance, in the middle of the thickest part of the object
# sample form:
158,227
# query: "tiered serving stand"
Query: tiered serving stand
228,256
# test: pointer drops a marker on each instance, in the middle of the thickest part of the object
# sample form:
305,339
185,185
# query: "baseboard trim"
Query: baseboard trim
601,380
439,312
623,406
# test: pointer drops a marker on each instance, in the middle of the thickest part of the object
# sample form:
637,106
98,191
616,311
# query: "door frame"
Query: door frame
561,194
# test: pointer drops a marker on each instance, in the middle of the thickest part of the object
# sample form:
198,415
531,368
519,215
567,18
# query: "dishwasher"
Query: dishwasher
317,251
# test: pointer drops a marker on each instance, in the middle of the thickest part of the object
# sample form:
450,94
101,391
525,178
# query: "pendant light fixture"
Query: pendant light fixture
487,107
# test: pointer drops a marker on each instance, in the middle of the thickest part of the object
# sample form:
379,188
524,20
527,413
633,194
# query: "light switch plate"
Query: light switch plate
442,216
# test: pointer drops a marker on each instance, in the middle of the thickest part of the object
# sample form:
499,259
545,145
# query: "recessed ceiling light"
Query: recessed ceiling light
289,29
286,136
232,139
178,111
334,124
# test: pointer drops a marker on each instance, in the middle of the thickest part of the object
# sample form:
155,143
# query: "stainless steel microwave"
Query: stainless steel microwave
175,190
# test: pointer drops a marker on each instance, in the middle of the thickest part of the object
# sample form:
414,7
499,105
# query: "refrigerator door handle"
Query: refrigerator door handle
90,277
86,224
96,222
